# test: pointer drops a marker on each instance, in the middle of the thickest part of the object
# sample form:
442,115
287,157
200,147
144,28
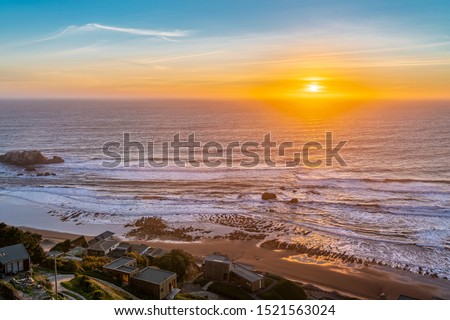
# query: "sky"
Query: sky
243,49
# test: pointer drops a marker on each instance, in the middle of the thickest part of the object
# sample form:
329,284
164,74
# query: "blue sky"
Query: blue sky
41,39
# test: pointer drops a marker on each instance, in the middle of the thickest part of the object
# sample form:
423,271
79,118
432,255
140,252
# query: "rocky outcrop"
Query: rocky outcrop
293,201
268,196
28,158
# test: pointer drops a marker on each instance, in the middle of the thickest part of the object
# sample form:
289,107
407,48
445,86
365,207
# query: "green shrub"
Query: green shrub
178,261
284,290
8,291
93,263
12,235
230,291
98,295
201,281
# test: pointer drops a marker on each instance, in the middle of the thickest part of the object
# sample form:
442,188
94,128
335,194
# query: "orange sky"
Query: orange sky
366,52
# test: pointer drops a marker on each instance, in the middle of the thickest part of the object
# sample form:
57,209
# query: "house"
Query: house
246,277
122,249
122,268
217,267
154,282
79,242
102,247
141,249
107,235
14,259
155,252
125,248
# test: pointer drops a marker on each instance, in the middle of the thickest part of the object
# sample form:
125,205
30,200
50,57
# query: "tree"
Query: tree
32,241
178,261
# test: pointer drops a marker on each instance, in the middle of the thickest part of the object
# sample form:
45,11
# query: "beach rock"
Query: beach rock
293,201
30,168
268,196
28,158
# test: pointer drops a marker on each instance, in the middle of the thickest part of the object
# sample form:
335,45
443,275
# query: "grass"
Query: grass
201,281
102,276
187,296
69,293
94,290
284,290
229,291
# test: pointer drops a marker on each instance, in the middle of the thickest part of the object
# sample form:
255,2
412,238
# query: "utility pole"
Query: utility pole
56,281
55,254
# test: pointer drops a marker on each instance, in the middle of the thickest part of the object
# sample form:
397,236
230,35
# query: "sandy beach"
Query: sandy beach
358,282
365,282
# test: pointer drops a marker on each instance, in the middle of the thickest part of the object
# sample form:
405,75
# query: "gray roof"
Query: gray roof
13,253
245,273
139,248
217,258
119,263
127,269
153,275
103,245
155,252
104,235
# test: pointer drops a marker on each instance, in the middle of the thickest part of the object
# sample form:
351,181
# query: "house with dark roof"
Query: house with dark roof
14,259
79,242
217,267
141,249
155,252
125,248
122,249
220,268
122,269
246,277
156,283
103,236
102,247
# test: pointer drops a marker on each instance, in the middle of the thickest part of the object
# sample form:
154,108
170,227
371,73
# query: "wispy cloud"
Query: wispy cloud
90,27
179,57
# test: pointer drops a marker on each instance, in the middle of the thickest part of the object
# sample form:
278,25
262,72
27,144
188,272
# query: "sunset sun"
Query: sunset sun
313,87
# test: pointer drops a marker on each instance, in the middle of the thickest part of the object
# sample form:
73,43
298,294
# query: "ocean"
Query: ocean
390,203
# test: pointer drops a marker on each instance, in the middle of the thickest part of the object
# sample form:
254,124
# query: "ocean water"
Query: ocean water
390,203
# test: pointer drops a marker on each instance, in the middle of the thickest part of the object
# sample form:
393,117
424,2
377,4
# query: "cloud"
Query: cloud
90,27
179,57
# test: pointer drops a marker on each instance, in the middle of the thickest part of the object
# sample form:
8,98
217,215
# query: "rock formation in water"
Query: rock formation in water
28,158
268,196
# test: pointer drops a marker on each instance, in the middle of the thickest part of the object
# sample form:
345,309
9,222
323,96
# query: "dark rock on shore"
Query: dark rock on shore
268,196
28,158
30,168
45,174
293,201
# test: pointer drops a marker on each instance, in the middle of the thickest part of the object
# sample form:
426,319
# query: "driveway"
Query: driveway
63,278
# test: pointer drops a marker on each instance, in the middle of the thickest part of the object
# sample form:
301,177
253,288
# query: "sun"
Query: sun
313,87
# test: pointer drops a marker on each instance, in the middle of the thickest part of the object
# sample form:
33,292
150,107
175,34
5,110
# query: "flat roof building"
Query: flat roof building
156,283
217,267
246,278
122,268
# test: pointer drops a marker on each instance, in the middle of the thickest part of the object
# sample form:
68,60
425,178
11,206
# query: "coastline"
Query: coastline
358,281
